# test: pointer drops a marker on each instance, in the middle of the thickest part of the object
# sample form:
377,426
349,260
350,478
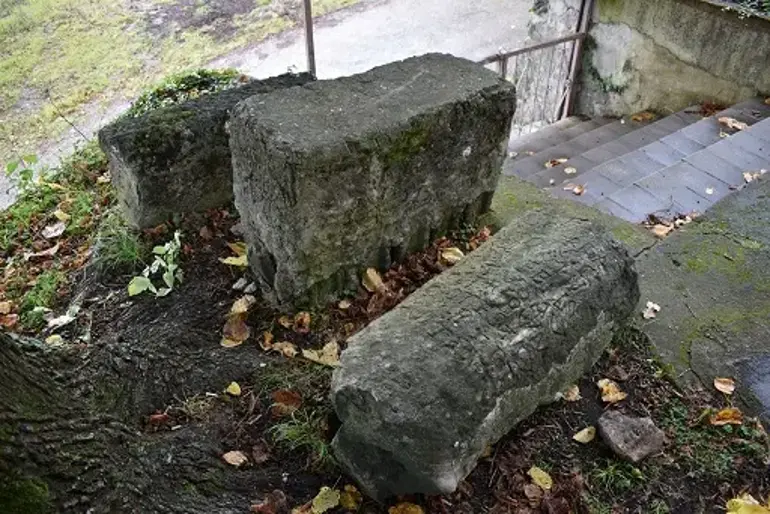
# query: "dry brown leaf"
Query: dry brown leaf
651,310
351,498
54,231
767,100
534,494
732,123
729,416
9,320
329,355
267,341
725,385
372,281
577,189
556,162
540,478
660,230
5,307
610,391
285,403
285,322
45,253
344,304
235,458
451,255
206,233
643,116
586,435
406,508
286,348
302,323
243,304
260,453
236,329
572,394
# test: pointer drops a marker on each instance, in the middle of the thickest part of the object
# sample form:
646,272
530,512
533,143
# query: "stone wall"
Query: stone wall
665,55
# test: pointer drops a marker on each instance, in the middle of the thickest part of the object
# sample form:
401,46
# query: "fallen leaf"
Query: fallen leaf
643,116
326,499
451,255
572,394
260,453
586,435
576,189
238,248
351,498
651,310
45,253
406,508
728,416
61,215
286,348
158,418
570,170
540,478
104,179
240,261
5,307
534,494
206,233
54,340
725,385
285,322
746,504
230,343
234,389
274,503
329,355
302,323
767,100
748,177
236,329
709,190
660,230
243,304
54,231
267,341
285,403
610,391
732,123
372,281
9,320
556,162
235,458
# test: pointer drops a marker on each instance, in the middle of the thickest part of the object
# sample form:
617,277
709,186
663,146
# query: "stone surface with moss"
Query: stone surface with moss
364,169
176,159
710,279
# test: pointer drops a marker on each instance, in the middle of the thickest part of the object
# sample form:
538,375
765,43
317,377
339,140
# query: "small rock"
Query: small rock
631,438
237,229
241,284
251,288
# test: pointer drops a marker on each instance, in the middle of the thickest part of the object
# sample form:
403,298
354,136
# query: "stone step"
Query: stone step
676,148
529,165
552,135
697,182
625,147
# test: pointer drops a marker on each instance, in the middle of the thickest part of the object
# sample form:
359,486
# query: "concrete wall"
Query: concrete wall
665,55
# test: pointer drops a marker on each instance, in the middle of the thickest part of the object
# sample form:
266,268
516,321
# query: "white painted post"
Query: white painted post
309,43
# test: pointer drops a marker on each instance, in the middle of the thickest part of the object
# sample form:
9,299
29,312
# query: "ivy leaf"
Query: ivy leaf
11,167
138,285
168,278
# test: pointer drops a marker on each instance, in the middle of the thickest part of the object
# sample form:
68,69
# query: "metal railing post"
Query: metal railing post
309,43
586,12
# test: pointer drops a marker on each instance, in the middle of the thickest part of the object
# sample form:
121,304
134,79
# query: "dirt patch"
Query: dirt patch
166,18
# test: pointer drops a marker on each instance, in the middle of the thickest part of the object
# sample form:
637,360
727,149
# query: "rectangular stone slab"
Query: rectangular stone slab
345,174
176,159
424,389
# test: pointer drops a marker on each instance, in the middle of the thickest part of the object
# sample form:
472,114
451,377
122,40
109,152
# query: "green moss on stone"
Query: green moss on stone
20,495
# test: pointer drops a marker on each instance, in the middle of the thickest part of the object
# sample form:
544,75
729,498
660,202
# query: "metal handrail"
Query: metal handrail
553,42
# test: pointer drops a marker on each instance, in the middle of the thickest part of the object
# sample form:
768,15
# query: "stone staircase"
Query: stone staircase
678,164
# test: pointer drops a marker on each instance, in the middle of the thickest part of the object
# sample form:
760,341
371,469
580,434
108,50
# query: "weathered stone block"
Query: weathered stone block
425,388
345,174
177,159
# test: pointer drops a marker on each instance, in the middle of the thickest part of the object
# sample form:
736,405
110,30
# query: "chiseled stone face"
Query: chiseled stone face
176,159
340,175
425,388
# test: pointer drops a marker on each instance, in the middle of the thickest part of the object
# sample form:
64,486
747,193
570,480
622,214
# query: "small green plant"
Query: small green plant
20,171
181,87
117,247
166,264
617,477
305,431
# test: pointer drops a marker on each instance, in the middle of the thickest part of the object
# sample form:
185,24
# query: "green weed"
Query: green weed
306,431
117,248
616,477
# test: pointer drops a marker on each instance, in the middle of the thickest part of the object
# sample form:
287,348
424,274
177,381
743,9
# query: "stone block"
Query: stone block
345,174
177,159
424,389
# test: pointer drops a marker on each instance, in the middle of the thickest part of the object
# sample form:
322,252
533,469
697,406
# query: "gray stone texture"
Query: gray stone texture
345,174
631,438
177,159
423,389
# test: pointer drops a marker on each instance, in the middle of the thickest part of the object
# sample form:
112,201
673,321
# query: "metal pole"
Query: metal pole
309,43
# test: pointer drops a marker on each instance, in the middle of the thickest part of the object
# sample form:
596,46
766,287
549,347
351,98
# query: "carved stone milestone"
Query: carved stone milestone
425,388
340,175
176,159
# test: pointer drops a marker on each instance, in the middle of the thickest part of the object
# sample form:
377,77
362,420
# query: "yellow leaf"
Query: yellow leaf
344,304
235,458
406,508
238,248
286,348
746,504
643,116
233,389
451,255
725,385
285,322
351,498
54,340
586,435
540,478
611,393
329,355
729,416
243,304
230,343
240,261
5,307
572,394
372,281
267,341
61,215
326,499
556,162
732,123
660,230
